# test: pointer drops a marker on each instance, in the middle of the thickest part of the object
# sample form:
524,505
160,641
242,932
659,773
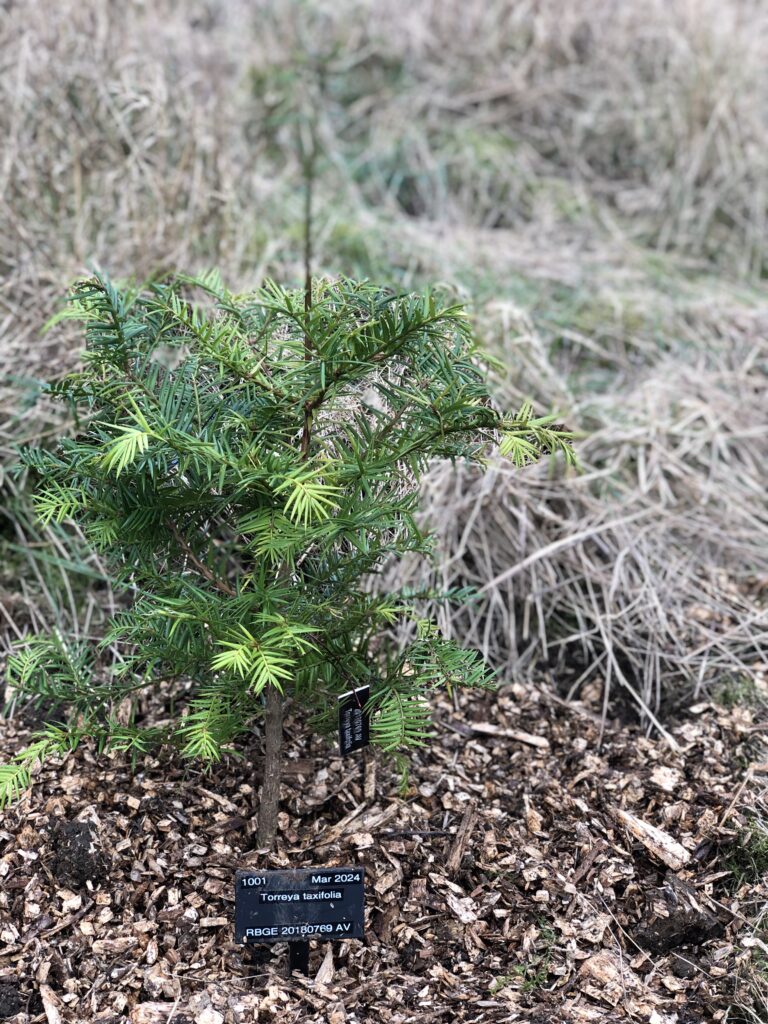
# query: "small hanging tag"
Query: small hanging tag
354,727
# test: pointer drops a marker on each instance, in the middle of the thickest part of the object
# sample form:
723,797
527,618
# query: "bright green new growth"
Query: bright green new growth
246,465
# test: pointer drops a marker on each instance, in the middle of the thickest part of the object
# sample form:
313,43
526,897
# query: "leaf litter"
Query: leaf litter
529,873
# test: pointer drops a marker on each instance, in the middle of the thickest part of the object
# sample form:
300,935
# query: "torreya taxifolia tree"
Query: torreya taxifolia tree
247,464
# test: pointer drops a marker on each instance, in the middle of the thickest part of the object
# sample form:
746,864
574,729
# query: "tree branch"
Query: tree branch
202,568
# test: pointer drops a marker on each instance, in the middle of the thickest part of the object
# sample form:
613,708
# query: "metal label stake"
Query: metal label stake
298,957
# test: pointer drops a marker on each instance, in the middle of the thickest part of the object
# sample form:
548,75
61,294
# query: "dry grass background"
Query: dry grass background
591,177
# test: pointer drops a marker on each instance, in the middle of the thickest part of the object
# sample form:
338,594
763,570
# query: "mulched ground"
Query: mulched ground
505,885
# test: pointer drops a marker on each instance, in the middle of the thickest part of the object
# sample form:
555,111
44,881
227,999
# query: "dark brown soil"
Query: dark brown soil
10,1001
77,859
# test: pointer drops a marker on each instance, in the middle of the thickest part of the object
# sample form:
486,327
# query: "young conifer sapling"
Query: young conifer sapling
247,464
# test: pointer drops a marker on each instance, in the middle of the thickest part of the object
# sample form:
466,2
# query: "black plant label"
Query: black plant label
293,906
354,726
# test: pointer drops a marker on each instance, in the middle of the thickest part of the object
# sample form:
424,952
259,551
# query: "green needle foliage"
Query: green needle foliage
247,464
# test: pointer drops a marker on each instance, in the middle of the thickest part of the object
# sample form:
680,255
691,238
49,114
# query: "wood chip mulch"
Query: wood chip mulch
529,873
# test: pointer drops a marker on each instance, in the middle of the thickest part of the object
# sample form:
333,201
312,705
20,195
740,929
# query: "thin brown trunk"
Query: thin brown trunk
269,801
309,170
308,175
